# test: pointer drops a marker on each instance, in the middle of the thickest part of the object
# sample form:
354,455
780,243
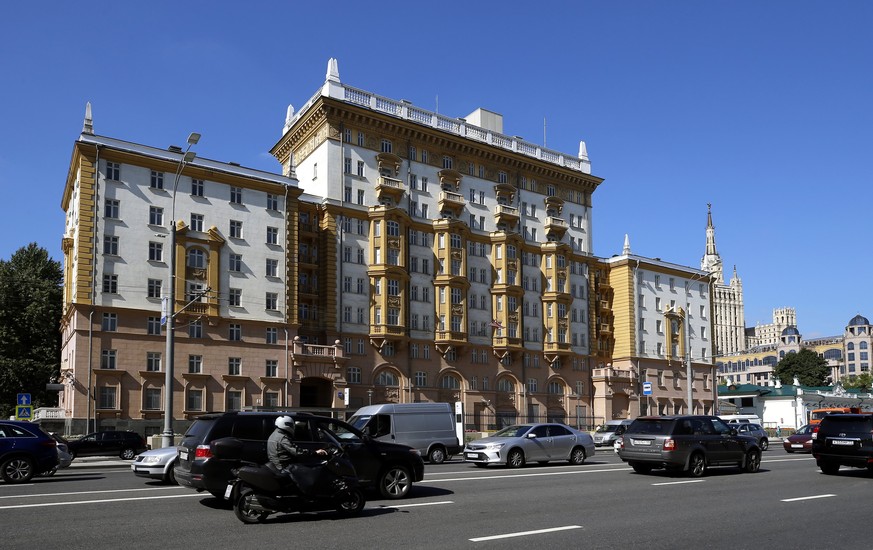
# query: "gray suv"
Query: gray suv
687,443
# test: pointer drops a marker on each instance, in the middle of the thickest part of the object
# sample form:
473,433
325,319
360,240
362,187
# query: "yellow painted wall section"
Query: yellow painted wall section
621,279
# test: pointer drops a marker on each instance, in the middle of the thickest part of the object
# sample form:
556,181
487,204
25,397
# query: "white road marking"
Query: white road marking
525,533
418,504
798,499
477,478
78,502
92,492
678,482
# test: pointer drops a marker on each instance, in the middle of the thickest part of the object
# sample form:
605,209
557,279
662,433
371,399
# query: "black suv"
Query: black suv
843,440
25,451
390,468
687,443
109,443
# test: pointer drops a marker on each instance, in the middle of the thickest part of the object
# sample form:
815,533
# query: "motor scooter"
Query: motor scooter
257,491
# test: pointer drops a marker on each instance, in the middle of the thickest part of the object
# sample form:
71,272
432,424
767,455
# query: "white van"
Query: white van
429,427
607,433
741,418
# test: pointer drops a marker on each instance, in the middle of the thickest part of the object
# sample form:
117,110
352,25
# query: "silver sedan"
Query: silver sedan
156,464
517,445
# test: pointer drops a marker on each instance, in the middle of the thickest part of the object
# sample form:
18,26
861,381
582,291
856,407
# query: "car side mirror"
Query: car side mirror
733,431
531,436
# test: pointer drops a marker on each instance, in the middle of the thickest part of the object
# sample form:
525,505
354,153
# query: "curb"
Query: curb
81,463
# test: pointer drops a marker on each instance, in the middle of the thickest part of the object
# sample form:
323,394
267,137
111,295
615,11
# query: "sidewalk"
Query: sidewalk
99,462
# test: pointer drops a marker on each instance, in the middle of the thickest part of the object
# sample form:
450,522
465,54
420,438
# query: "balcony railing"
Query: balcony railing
48,413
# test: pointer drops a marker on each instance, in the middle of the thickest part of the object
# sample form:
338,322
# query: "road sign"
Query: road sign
23,399
647,388
23,412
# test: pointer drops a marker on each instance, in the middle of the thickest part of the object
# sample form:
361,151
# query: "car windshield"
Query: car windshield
606,428
512,431
651,426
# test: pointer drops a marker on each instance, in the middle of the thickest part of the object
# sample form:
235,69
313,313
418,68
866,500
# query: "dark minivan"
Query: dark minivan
390,468
843,440
689,443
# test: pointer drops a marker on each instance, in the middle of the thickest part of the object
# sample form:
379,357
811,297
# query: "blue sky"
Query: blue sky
761,108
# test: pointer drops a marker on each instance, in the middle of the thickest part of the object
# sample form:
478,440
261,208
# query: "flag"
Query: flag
164,301
496,324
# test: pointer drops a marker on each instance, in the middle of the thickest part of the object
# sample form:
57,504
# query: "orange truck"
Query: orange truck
817,414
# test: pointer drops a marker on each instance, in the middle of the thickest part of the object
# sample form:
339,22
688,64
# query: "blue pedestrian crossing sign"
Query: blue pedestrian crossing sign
23,412
23,399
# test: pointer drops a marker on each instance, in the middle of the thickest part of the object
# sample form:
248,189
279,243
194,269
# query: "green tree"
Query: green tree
31,299
862,381
810,368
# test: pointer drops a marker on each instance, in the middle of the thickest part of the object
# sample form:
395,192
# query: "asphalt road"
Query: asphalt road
600,504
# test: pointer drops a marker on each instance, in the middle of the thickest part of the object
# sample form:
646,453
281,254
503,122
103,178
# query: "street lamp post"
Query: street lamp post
167,439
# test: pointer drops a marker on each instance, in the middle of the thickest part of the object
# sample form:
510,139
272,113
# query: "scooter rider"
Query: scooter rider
287,456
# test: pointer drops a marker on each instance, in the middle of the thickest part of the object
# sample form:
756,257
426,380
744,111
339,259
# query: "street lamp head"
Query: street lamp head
193,138
189,156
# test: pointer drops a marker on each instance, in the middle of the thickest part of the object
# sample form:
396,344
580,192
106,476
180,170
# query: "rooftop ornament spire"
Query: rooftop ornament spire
626,251
332,70
88,126
289,118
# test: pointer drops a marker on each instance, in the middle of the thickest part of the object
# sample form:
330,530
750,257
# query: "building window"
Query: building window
157,180
110,322
234,332
152,399
234,366
108,359
110,283
110,209
195,329
360,196
106,399
272,267
273,235
272,301
234,297
360,169
235,229
448,163
354,375
271,368
153,326
196,187
387,146
272,202
156,215
195,364
272,336
154,288
153,361
235,263
194,400
113,171
110,245
196,222
156,252
421,379
271,399
234,400
236,195
196,258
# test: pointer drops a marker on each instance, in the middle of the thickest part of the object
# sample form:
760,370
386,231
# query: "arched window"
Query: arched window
505,385
387,378
449,382
196,258
850,346
862,345
556,387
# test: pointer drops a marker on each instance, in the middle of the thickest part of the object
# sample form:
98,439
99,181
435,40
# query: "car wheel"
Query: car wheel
696,465
243,510
641,468
829,468
72,456
437,455
765,444
753,461
170,477
515,459
577,456
18,469
395,482
128,454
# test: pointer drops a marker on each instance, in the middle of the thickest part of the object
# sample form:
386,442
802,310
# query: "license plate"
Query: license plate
641,442
797,445
228,491
183,455
841,442
471,455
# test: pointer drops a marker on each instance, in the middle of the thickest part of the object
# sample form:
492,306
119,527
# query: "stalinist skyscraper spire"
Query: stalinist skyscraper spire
728,312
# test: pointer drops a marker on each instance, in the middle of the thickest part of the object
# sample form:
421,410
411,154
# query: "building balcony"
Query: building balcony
449,200
605,328
314,353
506,214
451,337
610,374
48,413
555,226
379,334
390,187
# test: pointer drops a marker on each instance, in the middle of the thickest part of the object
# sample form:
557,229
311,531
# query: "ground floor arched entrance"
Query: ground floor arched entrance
316,392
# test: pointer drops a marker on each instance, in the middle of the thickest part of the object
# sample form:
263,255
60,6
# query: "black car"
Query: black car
108,443
390,468
687,443
25,451
843,440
